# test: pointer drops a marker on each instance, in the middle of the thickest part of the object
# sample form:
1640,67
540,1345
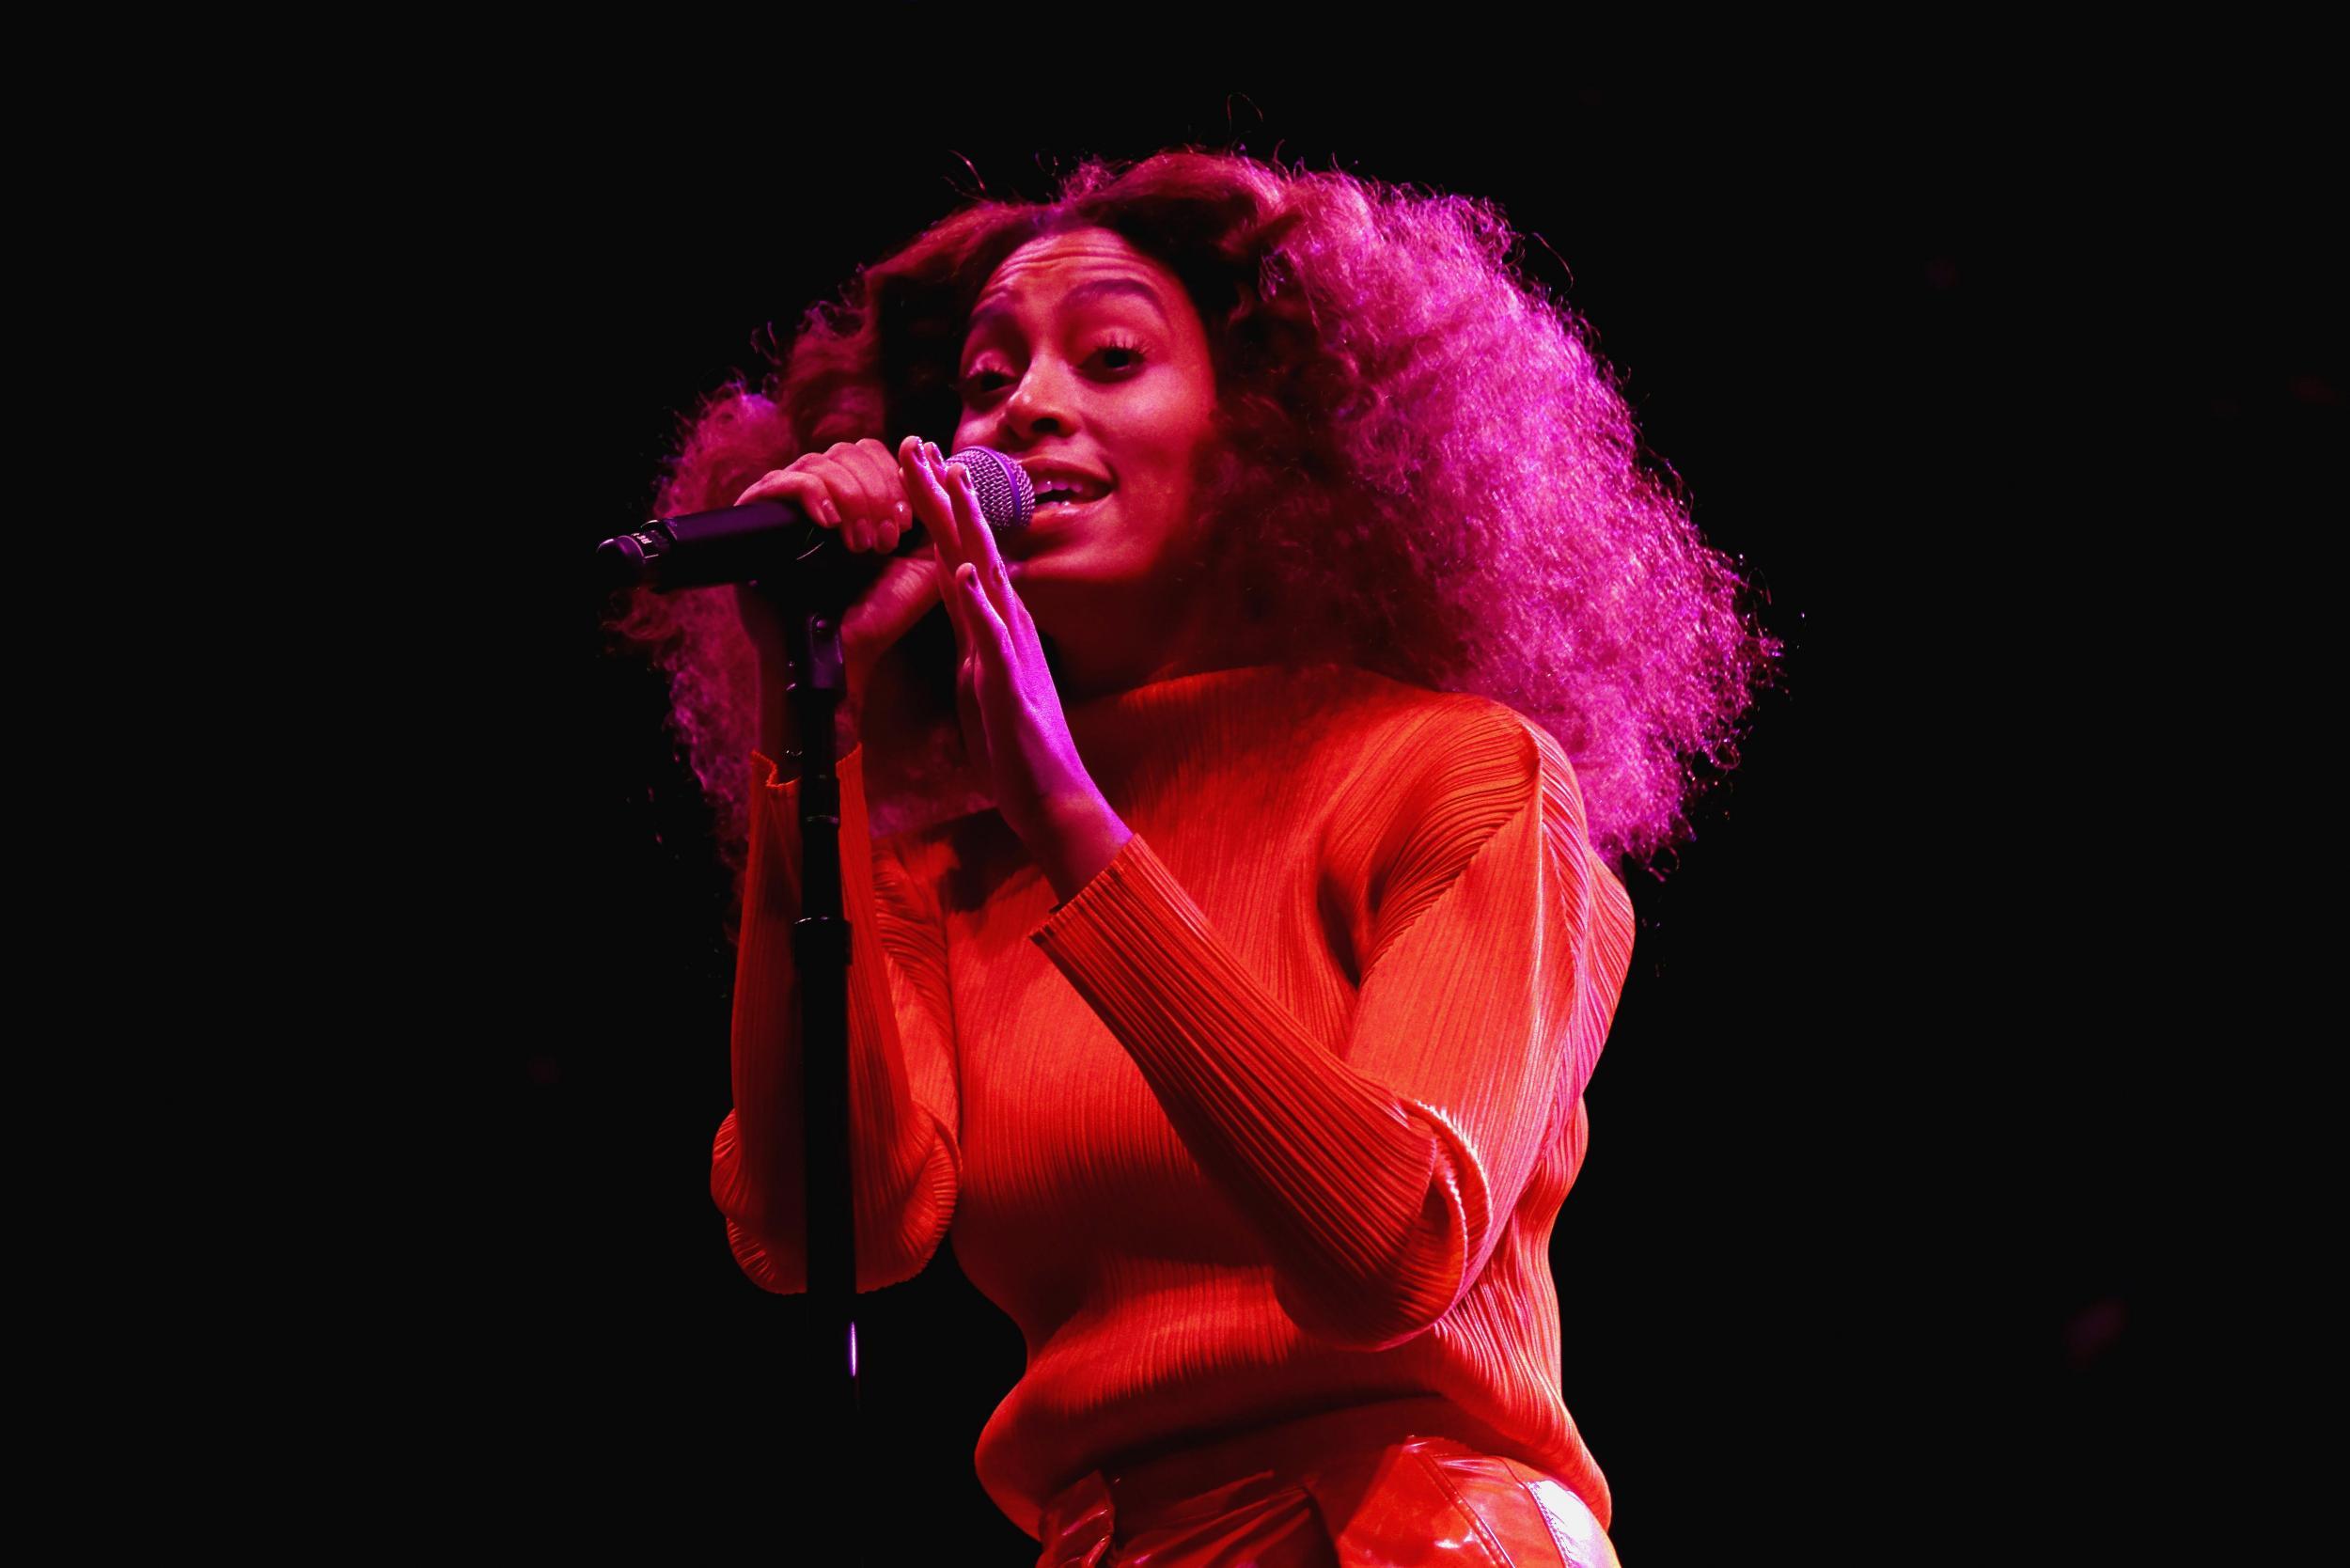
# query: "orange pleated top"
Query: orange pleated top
1273,1117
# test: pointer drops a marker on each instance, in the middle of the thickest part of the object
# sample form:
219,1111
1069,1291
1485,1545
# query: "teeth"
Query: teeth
1050,491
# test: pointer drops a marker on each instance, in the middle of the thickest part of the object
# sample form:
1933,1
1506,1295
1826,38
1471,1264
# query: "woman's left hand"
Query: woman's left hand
1012,723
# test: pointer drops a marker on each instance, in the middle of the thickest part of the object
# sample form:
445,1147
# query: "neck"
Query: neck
1082,674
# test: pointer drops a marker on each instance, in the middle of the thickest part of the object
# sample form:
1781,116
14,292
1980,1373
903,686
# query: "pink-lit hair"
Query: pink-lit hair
1433,476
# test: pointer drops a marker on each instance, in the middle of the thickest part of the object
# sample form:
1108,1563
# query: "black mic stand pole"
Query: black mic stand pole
819,948
813,588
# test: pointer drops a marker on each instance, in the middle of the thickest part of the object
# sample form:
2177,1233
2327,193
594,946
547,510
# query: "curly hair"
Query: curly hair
1433,475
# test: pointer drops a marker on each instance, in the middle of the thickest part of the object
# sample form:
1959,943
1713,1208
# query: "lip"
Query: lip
1048,511
1047,522
1041,471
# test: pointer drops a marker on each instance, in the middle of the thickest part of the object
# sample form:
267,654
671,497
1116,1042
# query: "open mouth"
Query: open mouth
1062,494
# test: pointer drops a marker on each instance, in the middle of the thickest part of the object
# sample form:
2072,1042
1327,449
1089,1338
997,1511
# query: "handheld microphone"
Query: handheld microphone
774,541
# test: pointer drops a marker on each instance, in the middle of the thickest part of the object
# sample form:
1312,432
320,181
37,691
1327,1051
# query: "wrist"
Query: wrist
1082,835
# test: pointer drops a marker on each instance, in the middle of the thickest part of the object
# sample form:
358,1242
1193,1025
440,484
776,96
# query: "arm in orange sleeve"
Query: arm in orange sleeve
903,1100
1381,1168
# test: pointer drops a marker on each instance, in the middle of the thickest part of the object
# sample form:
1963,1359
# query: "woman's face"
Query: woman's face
1085,362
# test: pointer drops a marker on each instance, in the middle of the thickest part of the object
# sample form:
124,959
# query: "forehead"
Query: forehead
1073,268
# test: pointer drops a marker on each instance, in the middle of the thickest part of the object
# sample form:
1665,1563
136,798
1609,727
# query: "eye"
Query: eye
981,382
1119,356
1115,356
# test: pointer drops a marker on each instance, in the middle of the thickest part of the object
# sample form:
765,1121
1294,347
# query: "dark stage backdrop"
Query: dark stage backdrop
1878,1225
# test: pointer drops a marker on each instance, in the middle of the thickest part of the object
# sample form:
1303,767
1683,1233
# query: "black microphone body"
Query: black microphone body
733,544
776,543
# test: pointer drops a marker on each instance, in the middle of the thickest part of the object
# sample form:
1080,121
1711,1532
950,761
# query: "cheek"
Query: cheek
1179,404
1191,426
1174,428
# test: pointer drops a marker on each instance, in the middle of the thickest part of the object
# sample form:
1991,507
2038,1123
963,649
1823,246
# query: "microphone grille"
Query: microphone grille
1006,496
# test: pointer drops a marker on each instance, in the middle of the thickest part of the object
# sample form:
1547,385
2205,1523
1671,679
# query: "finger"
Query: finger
837,467
942,474
802,487
991,669
945,580
918,485
967,713
994,579
892,527
990,633
891,514
869,480
921,508
967,665
929,501
827,486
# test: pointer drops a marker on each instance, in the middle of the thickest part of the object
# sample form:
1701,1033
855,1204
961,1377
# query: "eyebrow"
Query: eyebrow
987,314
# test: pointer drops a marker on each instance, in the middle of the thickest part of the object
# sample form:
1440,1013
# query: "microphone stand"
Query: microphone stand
732,545
821,949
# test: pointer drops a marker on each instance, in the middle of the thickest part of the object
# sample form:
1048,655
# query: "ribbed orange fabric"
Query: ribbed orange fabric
1273,1116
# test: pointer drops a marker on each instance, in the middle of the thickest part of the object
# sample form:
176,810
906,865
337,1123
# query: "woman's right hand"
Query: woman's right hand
854,487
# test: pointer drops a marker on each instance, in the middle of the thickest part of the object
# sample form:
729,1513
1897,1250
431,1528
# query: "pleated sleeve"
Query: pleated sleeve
1381,1168
902,1093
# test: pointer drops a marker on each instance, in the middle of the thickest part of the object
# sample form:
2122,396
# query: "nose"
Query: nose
1043,403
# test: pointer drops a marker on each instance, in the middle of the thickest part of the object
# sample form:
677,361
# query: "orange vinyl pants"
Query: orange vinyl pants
1341,1490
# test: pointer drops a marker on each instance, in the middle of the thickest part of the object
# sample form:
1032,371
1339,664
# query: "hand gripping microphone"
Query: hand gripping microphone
776,543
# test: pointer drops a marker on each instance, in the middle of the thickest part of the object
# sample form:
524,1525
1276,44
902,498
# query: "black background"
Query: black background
1890,1239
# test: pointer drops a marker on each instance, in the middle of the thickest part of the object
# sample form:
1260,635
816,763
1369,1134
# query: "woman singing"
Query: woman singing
1236,896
